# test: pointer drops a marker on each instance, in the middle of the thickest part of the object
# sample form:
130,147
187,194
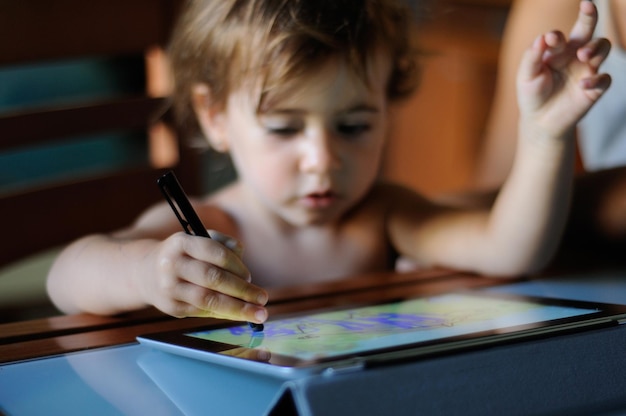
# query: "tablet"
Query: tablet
371,335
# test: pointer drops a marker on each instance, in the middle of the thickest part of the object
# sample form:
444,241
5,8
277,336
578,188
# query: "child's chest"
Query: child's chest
315,257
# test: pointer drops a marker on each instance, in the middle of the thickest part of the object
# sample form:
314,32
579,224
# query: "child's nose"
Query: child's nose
319,155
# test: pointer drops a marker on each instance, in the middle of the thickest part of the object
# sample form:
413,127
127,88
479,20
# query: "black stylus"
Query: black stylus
176,197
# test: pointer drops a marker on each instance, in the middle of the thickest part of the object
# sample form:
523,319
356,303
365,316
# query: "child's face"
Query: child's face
312,155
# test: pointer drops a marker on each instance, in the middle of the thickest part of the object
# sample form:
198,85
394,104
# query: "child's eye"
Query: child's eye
283,131
353,130
282,126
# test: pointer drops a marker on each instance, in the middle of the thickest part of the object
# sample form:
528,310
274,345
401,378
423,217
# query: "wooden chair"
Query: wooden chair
52,213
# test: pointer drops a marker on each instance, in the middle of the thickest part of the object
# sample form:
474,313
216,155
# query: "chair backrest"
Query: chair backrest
57,210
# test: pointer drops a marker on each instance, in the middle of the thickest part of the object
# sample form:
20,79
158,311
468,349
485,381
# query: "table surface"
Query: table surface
95,363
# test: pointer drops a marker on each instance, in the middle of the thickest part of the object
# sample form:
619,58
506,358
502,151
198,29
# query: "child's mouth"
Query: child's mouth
320,199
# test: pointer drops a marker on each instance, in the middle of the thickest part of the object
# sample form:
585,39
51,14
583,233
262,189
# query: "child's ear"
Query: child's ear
211,117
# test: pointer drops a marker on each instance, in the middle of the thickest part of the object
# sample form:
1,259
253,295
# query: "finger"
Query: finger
214,252
531,64
211,277
596,85
228,241
555,41
193,300
556,54
594,52
582,31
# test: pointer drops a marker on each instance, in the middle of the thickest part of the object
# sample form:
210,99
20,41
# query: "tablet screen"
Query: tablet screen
344,332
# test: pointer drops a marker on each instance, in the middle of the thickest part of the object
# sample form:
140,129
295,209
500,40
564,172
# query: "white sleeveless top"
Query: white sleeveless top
603,129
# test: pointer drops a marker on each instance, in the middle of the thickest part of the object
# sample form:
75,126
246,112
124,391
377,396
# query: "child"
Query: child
298,93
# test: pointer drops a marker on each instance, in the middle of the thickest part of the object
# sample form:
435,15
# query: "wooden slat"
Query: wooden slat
483,3
41,126
36,30
87,340
34,227
62,325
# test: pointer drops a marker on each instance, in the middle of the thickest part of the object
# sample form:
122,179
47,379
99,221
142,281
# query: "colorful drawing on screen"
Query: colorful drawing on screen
346,331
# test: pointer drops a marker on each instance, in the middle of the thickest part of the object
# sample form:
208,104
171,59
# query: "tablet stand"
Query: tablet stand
574,374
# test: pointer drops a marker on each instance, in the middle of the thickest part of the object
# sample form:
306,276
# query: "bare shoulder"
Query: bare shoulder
159,221
154,222
218,210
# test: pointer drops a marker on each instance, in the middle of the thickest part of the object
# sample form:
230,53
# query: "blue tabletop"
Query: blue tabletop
130,380
606,287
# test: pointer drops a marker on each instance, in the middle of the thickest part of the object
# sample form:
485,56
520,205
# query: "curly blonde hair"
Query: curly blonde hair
223,43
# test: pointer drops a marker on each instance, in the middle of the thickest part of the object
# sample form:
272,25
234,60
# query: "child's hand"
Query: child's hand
204,277
558,79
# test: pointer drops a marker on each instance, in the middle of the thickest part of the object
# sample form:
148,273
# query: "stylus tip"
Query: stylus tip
256,327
